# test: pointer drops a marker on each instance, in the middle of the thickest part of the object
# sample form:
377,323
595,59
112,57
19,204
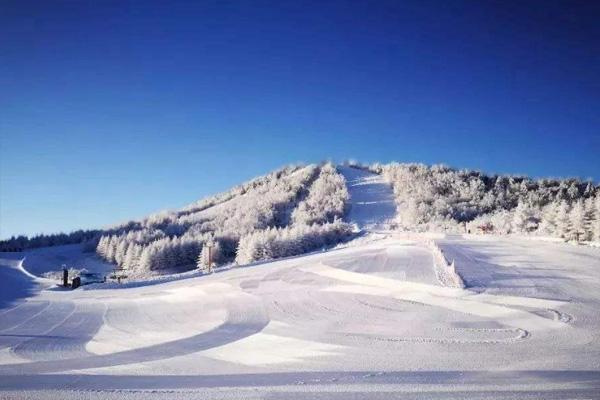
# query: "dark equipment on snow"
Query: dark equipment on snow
88,278
76,282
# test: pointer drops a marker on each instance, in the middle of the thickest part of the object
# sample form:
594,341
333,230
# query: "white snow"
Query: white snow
266,347
371,198
45,259
370,320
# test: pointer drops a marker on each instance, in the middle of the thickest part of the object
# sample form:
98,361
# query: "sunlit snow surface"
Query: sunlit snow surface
366,321
371,198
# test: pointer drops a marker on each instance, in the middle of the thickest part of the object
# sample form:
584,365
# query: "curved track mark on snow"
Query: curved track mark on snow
37,325
21,313
67,339
244,319
226,333
560,316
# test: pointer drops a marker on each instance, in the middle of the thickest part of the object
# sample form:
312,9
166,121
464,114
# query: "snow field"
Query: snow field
318,314
367,320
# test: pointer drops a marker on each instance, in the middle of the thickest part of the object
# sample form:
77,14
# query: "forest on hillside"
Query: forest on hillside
439,198
297,209
287,212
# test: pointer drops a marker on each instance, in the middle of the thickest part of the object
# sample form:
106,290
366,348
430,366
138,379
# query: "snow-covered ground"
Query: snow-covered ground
46,259
371,198
369,320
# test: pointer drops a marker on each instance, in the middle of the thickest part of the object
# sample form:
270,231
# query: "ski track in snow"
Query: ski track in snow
368,320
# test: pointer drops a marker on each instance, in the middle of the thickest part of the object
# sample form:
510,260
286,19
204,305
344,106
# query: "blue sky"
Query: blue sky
112,110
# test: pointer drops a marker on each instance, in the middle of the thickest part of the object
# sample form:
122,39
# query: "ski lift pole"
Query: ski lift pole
65,276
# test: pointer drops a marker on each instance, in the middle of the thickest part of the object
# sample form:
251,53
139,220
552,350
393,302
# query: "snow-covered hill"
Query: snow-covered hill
299,209
368,319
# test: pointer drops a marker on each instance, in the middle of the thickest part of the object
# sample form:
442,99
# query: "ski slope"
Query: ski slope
41,260
368,320
372,203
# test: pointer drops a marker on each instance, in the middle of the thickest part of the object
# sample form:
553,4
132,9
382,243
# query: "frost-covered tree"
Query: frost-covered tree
121,250
132,257
147,259
209,256
111,248
548,219
275,243
172,240
326,200
596,223
577,220
203,260
89,239
430,197
102,246
501,221
523,218
563,221
588,218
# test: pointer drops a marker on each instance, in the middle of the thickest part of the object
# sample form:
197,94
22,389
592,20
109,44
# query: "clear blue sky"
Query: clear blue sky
111,110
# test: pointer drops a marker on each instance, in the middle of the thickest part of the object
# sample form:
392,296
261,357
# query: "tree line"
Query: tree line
439,198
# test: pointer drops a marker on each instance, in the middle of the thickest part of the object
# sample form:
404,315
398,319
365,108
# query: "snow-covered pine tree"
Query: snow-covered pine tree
596,223
135,262
522,218
162,258
131,256
548,220
573,191
101,248
111,249
174,259
247,249
563,223
209,256
589,190
201,263
589,215
150,258
577,220
145,262
501,221
188,252
121,251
